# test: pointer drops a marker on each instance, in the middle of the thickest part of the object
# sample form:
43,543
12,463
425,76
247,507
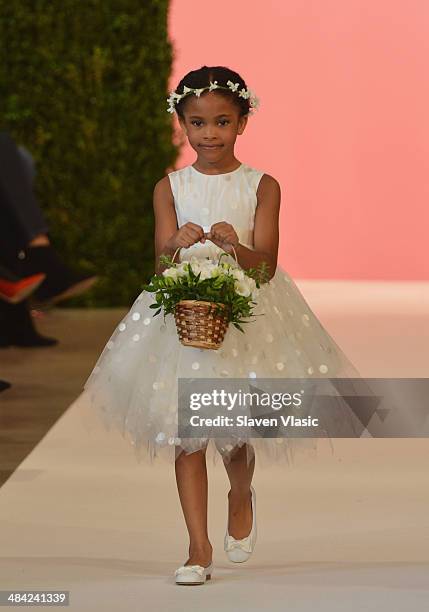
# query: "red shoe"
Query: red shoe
16,291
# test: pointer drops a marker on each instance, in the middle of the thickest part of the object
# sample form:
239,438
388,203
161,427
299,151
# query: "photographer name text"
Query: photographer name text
245,421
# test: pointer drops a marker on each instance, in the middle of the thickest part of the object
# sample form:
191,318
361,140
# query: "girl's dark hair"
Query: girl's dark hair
202,77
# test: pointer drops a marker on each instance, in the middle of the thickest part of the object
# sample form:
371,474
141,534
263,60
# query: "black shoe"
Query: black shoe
17,329
4,385
60,283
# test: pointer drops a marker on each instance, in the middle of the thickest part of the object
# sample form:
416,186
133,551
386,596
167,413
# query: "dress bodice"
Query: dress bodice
210,198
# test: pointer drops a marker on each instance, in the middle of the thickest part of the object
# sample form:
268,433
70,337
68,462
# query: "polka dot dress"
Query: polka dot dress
134,383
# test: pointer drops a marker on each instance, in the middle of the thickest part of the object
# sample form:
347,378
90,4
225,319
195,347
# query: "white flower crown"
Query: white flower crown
243,93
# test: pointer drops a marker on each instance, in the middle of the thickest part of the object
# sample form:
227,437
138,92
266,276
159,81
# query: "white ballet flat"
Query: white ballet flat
239,551
193,574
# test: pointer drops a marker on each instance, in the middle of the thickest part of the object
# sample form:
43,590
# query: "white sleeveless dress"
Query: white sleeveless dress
134,382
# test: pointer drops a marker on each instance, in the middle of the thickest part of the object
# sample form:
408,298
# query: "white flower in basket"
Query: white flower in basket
205,296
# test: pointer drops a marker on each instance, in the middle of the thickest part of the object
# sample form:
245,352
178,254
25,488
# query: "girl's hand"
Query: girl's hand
186,236
224,236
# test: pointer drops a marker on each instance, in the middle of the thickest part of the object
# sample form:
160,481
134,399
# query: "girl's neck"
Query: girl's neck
223,167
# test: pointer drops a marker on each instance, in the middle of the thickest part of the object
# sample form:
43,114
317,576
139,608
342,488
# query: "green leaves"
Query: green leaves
261,274
180,282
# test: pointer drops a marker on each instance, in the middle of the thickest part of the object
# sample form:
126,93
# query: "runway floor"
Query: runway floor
345,531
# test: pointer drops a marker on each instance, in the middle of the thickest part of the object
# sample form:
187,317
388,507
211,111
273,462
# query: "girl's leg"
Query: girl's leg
191,478
239,497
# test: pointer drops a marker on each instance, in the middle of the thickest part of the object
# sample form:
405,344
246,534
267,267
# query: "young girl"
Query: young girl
205,209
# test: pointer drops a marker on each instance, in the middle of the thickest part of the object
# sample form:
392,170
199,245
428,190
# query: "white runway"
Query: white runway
348,531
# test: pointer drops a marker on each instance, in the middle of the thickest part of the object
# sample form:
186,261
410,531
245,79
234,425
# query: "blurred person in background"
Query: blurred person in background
26,247
26,251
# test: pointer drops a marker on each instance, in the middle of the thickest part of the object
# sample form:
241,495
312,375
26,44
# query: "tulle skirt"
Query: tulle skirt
134,384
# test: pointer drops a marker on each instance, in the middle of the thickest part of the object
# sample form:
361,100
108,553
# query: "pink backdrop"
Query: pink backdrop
342,124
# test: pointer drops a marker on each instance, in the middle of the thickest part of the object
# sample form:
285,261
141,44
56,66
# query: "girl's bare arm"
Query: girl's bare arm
266,228
165,220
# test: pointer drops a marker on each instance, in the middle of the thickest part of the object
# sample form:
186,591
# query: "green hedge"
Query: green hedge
83,85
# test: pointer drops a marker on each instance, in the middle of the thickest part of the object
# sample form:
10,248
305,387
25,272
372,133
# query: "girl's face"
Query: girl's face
212,124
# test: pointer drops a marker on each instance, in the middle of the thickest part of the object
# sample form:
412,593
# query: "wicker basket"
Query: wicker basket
197,322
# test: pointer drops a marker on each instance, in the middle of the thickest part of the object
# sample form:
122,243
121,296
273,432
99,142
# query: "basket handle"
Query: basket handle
235,254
